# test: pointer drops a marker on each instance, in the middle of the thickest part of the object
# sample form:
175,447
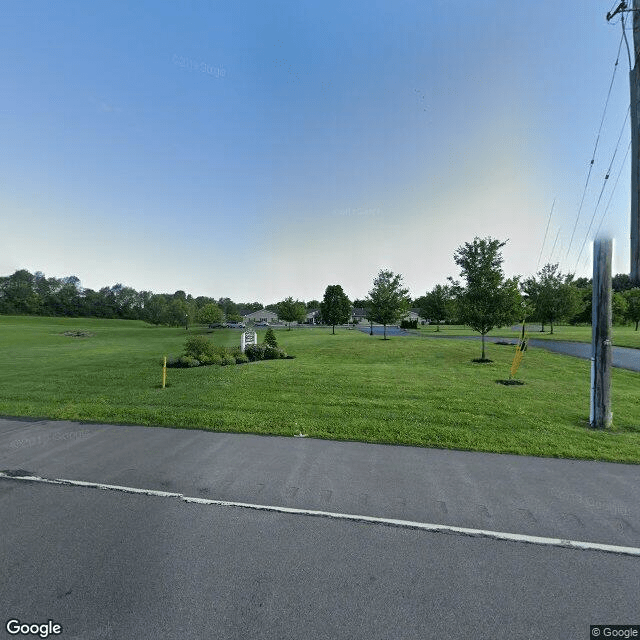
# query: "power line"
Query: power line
554,245
614,188
545,234
593,157
604,184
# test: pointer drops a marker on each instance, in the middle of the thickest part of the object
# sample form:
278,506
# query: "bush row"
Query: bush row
199,351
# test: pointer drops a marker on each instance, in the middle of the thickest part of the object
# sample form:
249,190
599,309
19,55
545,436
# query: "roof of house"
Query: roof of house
261,313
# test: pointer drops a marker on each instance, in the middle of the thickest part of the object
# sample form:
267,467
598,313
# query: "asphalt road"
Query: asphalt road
111,564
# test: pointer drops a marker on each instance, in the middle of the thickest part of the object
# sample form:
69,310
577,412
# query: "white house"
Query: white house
263,315
312,316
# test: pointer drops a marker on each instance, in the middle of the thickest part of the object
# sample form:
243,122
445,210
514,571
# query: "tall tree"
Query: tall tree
633,305
552,294
388,300
210,314
291,310
488,300
157,310
335,306
18,295
436,304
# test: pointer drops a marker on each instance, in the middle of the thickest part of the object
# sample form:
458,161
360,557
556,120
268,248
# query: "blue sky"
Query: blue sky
258,150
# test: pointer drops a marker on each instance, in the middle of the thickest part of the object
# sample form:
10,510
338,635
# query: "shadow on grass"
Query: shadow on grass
510,382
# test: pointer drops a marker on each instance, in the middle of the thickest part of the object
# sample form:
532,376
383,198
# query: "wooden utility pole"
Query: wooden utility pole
600,415
634,81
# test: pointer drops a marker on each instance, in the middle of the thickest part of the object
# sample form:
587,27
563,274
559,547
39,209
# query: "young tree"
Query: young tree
436,304
633,305
335,307
388,300
552,294
209,314
291,310
488,300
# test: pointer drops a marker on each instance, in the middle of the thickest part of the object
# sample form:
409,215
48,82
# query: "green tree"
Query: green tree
157,310
619,308
18,295
291,310
178,312
436,304
388,300
209,314
270,338
621,282
633,305
488,300
335,306
552,294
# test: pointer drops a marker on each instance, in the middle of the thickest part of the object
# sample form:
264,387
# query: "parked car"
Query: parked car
261,324
236,325
217,325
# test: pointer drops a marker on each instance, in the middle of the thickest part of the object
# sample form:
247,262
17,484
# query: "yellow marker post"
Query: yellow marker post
164,373
520,349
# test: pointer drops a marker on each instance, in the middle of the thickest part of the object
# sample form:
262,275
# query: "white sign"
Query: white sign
247,338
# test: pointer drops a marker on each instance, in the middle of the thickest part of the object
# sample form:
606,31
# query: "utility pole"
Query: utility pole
634,81
600,416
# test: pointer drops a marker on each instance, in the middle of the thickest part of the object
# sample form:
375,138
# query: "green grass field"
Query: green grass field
350,386
624,336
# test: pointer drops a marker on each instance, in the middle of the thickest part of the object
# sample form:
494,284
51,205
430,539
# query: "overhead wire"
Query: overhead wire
624,161
593,157
545,233
604,184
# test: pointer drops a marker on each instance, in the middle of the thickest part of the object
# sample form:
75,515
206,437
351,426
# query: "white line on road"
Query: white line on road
405,524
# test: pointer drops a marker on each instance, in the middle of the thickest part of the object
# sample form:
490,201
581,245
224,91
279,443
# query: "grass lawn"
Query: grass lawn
350,386
624,336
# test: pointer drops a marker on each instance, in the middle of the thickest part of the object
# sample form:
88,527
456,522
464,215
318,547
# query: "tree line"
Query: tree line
485,300
26,293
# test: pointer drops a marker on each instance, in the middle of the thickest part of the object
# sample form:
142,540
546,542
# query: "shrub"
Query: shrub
240,358
409,324
273,353
255,352
198,345
270,338
188,361
172,361
227,359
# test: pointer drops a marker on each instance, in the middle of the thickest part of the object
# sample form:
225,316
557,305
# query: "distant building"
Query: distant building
313,316
358,314
263,315
414,314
